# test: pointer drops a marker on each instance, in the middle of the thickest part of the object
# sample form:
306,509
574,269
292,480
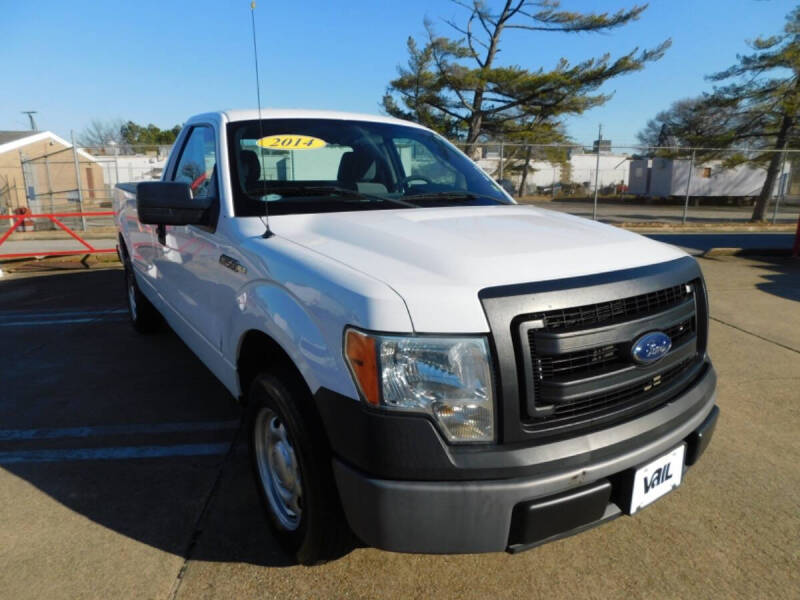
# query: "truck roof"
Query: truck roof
299,113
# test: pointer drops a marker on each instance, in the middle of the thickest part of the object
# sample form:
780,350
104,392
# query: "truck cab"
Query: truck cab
425,365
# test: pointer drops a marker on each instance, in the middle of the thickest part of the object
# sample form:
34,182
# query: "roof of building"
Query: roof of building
10,136
12,140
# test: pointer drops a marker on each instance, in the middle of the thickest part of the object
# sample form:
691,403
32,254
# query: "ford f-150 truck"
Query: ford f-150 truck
424,363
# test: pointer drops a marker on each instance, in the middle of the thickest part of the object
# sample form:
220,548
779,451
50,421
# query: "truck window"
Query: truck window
418,161
327,165
197,164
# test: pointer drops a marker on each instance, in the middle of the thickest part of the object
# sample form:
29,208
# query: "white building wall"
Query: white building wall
139,167
614,169
541,173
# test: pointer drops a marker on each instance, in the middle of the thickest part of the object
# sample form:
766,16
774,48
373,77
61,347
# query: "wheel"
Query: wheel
143,315
292,467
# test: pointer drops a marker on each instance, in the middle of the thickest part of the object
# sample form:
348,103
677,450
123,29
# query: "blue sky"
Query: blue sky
161,61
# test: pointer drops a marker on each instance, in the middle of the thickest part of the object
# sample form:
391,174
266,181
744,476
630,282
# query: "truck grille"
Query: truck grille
624,308
612,403
578,366
597,360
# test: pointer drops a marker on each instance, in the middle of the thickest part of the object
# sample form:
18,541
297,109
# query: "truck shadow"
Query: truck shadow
200,503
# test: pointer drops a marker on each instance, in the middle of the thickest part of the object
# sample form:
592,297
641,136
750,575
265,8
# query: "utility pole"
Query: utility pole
30,114
688,188
597,171
78,178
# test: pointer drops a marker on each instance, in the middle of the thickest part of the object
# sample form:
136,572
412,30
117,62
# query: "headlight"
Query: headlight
448,378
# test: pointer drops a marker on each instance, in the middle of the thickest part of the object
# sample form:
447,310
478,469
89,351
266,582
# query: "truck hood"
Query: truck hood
438,259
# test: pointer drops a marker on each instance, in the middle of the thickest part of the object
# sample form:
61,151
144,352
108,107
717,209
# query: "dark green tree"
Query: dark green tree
148,136
752,116
763,89
458,87
691,122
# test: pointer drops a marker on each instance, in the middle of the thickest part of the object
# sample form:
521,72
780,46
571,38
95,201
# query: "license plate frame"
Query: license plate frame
657,478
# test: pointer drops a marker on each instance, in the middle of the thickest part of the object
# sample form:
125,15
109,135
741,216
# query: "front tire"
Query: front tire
292,467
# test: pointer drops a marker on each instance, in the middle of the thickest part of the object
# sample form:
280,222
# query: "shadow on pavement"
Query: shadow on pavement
98,373
707,241
784,278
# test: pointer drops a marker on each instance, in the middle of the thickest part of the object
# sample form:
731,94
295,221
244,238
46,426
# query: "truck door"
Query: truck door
189,259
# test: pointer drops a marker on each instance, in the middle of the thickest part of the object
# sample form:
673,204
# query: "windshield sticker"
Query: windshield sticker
291,141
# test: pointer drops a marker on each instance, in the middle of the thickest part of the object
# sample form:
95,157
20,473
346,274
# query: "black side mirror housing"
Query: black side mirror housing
170,203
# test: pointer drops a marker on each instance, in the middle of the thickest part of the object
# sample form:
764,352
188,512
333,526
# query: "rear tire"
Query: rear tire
143,315
291,463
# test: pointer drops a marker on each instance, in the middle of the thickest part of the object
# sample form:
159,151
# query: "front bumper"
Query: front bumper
568,493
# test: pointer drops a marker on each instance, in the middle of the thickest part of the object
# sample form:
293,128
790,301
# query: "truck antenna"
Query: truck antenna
267,233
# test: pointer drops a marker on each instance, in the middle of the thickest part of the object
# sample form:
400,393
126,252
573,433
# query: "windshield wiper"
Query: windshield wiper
341,193
450,195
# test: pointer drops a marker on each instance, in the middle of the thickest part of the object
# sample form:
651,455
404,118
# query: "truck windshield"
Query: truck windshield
327,165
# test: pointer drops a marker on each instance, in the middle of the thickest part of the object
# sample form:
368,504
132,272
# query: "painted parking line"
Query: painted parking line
113,453
6,314
109,430
36,319
57,322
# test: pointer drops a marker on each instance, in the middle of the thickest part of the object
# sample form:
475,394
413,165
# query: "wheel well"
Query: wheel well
257,352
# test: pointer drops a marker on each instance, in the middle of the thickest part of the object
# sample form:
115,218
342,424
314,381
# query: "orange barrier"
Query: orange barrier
26,218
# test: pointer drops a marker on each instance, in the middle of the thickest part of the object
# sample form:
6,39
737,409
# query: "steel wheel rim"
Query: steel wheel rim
131,296
278,469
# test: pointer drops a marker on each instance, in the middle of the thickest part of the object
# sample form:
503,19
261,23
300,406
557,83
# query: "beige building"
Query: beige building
37,171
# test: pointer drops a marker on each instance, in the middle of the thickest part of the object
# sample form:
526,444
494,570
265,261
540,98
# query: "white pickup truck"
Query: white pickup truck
425,363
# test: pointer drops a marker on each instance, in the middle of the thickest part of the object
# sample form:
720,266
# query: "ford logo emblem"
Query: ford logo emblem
651,347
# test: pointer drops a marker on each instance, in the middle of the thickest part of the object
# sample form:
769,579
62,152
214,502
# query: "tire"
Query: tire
291,463
143,315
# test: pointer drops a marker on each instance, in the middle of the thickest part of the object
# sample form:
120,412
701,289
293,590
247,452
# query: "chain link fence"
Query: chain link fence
638,184
48,176
613,183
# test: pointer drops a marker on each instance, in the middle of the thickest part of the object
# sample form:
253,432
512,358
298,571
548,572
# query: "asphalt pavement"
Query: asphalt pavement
123,475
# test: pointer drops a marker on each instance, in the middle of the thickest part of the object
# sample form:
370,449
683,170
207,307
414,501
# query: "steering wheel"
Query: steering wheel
406,180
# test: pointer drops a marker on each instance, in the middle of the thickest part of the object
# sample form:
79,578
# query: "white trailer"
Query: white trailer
664,177
639,176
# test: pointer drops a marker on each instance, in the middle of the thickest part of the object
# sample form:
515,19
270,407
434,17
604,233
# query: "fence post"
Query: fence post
688,188
782,190
502,148
597,173
49,179
78,178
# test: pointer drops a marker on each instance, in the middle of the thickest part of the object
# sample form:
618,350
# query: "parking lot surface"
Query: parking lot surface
123,474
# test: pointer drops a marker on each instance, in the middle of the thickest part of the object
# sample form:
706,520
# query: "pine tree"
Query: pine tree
751,118
764,92
458,87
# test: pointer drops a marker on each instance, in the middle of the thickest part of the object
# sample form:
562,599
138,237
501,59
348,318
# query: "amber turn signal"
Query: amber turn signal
362,359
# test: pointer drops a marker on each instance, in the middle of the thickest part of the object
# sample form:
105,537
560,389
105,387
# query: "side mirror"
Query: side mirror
170,203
